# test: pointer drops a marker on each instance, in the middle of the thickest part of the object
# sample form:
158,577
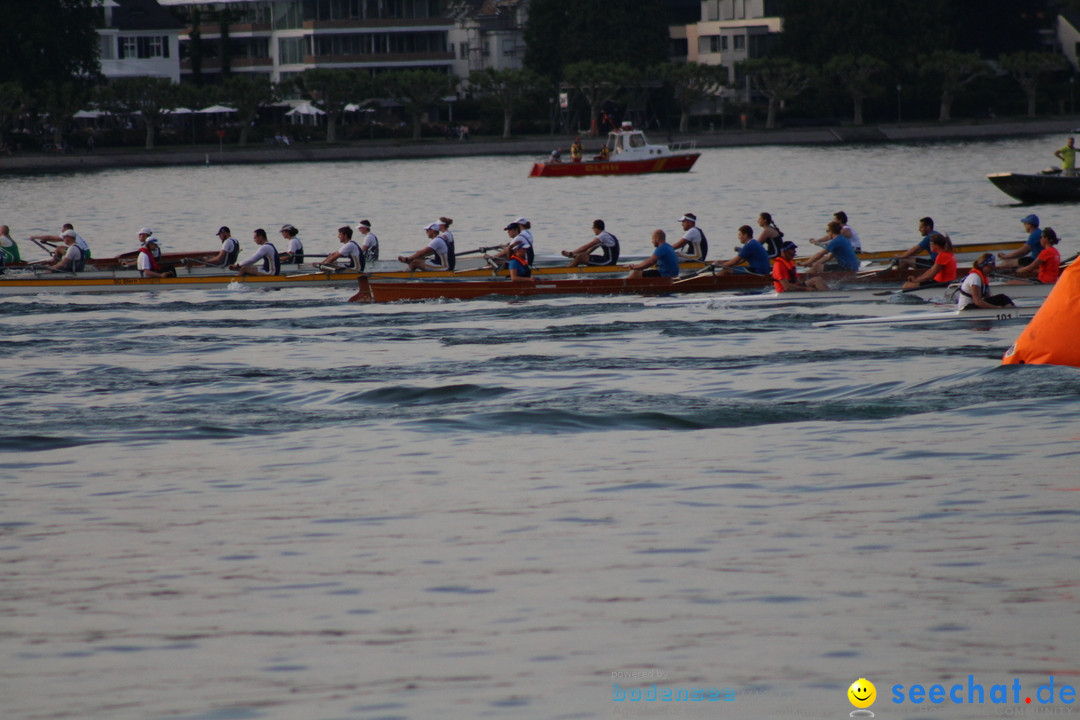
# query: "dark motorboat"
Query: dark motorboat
1045,187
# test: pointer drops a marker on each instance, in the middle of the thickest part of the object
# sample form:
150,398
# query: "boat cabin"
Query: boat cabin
626,143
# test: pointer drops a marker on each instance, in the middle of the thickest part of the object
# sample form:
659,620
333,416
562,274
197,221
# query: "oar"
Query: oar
478,250
874,273
699,273
904,291
43,244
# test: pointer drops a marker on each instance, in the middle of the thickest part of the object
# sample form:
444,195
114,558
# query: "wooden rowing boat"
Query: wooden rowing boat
189,279
374,289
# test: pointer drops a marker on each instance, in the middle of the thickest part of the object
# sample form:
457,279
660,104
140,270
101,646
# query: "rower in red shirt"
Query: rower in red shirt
944,268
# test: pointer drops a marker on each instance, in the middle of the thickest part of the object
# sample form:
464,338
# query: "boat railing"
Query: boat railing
685,145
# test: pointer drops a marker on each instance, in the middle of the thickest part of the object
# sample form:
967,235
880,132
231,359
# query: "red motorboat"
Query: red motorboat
628,153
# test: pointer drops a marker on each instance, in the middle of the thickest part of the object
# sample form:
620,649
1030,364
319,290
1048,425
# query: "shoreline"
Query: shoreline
539,146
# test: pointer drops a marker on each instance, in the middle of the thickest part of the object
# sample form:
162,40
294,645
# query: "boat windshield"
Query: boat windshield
637,140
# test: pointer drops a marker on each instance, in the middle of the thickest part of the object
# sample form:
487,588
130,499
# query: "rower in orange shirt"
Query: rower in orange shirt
785,276
944,268
1048,262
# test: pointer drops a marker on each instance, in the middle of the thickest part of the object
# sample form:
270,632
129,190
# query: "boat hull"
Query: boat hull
104,282
380,290
658,164
1032,189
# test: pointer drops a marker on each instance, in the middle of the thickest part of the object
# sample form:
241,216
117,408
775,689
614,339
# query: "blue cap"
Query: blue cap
1030,220
788,246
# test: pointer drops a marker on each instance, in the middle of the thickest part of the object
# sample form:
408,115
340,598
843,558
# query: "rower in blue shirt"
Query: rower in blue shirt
663,257
837,255
752,252
1026,253
907,258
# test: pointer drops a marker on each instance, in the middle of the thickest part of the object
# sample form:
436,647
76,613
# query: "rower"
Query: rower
436,247
838,250
265,252
1048,264
370,243
771,237
752,252
786,276
230,249
663,257
448,238
9,249
974,292
907,258
693,239
944,268
519,243
518,265
527,238
608,244
295,252
73,259
59,252
147,263
1026,253
841,217
350,250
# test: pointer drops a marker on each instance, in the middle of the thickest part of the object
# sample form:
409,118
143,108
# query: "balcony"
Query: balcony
379,58
239,62
357,23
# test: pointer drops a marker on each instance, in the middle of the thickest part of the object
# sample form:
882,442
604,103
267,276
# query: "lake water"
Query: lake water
233,505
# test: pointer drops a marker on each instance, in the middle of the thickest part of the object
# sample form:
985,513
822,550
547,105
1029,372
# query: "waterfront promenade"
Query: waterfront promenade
538,146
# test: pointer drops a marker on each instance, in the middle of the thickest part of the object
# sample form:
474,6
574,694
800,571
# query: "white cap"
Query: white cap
688,216
146,231
522,221
68,233
153,240
365,223
432,226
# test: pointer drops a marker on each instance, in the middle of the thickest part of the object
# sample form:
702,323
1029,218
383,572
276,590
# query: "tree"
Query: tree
61,100
14,101
151,97
597,83
333,89
692,83
416,90
48,41
507,88
856,77
564,32
247,95
1028,68
953,70
779,79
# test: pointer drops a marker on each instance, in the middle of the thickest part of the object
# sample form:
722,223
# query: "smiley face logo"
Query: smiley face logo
862,693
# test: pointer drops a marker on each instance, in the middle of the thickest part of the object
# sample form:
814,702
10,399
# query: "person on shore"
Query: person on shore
837,255
663,257
370,243
907,258
350,250
73,259
974,292
9,249
693,239
1047,266
147,263
265,253
771,238
1027,252
58,253
436,247
230,249
295,252
752,252
853,237
608,244
577,150
944,268
1067,156
786,275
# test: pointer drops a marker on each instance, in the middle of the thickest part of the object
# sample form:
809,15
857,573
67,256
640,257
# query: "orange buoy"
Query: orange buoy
1051,338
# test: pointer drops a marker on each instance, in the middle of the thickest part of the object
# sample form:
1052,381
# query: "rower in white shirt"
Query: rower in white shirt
264,261
437,247
370,243
350,251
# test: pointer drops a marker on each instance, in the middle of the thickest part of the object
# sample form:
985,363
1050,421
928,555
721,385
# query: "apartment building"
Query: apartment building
488,34
729,32
281,38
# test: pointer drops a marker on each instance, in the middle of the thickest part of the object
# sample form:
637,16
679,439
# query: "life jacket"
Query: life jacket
985,283
271,263
153,260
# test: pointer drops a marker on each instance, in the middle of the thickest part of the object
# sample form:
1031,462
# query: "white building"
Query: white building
730,31
488,34
139,37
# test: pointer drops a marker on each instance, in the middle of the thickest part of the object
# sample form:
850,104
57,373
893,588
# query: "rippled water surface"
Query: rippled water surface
224,505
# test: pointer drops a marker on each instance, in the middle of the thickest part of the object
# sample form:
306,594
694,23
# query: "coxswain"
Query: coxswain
944,268
295,252
771,238
518,265
230,249
752,252
663,257
436,247
1047,266
147,262
974,292
520,239
837,255
370,243
907,258
9,249
1027,252
73,260
786,276
577,150
608,244
265,252
350,250
693,239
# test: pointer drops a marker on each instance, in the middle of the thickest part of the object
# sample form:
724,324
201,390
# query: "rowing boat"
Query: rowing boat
1024,312
189,279
962,251
375,289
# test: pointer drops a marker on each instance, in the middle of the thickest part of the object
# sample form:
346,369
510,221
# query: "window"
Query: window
125,47
723,43
107,52
464,48
149,46
291,51
740,42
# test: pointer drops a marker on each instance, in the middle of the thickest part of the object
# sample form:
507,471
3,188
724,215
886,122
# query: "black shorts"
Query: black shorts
606,257
651,272
1026,260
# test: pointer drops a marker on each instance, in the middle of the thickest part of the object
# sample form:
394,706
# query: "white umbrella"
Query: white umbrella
88,114
180,111
305,109
217,109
